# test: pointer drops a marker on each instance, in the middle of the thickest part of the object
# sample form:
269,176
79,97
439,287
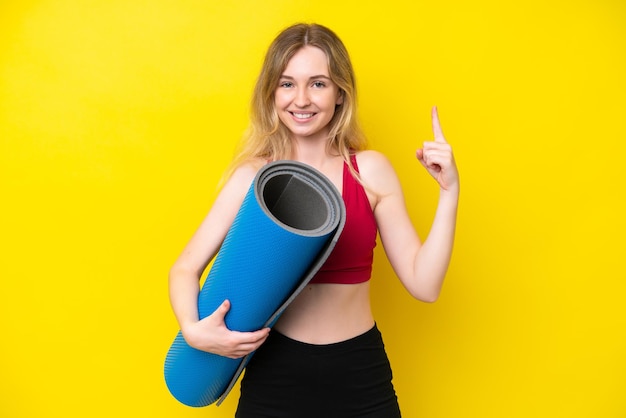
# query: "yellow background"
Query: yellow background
117,118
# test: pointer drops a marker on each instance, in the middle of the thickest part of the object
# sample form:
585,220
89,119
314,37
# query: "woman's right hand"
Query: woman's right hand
211,334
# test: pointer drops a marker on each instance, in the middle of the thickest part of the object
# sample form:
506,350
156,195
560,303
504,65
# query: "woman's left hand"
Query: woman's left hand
436,156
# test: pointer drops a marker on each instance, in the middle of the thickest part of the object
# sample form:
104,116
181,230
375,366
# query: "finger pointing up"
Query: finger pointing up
437,127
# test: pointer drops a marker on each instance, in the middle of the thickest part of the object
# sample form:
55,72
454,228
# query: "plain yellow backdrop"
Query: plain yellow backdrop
118,117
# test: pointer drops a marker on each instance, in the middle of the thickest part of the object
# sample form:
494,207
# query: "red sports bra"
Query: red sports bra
350,262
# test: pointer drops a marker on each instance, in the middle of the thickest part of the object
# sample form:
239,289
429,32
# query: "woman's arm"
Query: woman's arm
420,266
211,334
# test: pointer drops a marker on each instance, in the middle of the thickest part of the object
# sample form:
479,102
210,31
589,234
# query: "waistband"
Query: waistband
371,338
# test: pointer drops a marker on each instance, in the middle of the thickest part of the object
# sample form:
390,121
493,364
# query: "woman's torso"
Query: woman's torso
326,313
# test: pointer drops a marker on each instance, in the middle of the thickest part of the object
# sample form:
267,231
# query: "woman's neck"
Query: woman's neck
313,153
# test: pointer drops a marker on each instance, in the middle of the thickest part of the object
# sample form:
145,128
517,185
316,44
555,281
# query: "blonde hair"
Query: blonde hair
267,137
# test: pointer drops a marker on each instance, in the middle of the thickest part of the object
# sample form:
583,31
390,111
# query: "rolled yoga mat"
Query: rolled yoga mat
287,225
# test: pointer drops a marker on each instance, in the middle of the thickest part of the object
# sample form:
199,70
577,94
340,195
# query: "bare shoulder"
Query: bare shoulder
368,158
236,186
243,175
247,170
377,172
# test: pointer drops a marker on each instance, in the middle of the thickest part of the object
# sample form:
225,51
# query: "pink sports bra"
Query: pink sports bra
351,260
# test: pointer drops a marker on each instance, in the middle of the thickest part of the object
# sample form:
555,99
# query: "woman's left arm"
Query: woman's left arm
420,266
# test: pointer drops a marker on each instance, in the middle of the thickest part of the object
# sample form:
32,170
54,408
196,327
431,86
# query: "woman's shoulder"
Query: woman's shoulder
239,177
245,171
370,155
377,172
373,164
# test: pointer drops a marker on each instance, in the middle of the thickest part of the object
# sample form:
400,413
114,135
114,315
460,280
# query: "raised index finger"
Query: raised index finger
437,126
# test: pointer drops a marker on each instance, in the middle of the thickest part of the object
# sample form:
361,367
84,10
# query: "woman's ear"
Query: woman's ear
339,98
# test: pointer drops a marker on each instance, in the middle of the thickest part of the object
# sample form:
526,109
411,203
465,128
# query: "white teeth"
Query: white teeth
303,115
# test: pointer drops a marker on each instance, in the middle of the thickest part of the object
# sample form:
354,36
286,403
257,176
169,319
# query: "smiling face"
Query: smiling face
306,97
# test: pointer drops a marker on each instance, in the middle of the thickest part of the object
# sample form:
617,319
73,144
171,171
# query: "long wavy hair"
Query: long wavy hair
267,137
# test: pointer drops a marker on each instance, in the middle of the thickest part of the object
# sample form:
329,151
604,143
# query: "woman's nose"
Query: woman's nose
302,98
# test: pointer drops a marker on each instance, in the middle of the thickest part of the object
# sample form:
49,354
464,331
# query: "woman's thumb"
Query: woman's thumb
223,309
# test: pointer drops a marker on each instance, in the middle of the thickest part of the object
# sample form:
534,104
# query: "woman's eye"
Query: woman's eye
319,84
286,84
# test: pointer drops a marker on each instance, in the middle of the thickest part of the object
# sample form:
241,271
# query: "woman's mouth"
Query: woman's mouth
302,116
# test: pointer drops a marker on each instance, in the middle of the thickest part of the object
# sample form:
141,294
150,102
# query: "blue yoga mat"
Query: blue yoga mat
285,229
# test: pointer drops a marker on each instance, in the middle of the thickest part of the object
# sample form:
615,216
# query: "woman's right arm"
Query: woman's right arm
211,334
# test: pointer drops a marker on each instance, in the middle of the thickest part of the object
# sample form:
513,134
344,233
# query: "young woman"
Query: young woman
324,357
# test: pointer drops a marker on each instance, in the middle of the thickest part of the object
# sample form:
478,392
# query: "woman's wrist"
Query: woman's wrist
450,193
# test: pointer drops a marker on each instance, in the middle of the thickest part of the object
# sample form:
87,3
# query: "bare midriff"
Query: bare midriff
327,313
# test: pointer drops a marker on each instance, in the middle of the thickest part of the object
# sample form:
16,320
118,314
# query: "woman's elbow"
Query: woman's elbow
179,272
427,297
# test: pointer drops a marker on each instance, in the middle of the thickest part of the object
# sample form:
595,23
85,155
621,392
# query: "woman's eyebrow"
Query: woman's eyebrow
310,78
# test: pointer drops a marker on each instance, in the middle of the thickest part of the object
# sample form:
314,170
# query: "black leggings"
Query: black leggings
291,379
